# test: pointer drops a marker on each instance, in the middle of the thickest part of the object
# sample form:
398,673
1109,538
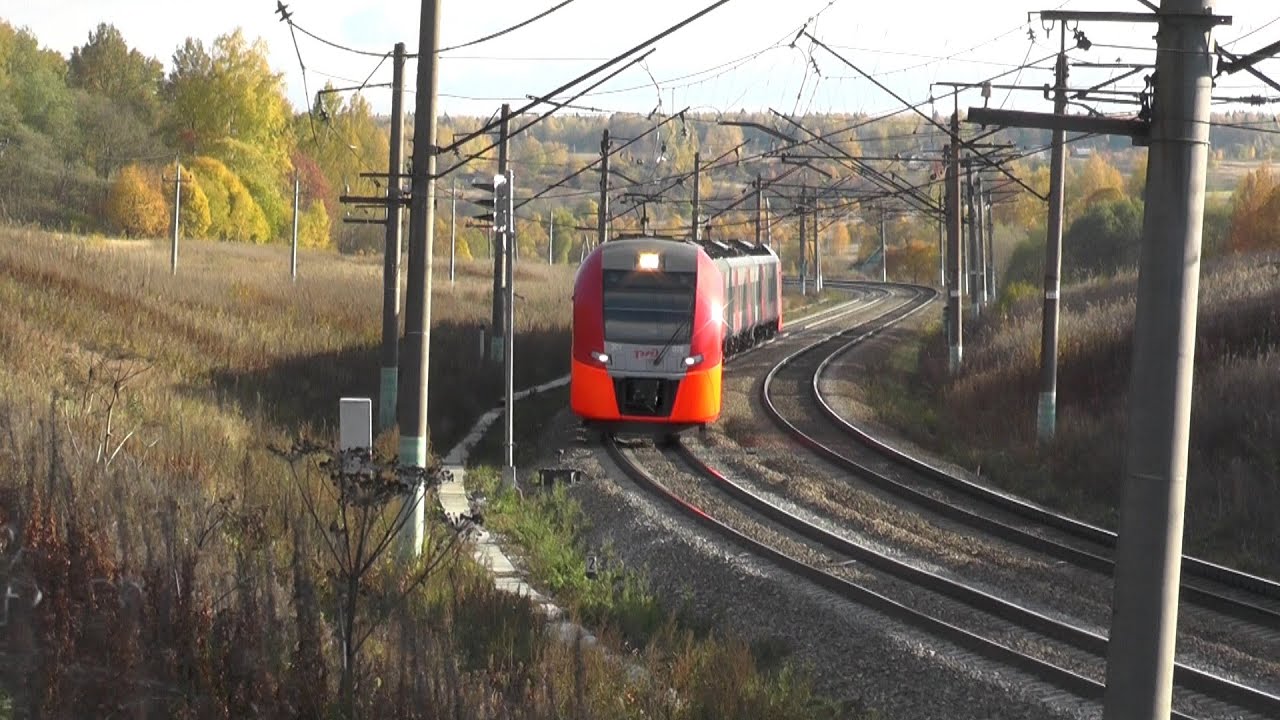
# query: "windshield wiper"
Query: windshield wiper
679,329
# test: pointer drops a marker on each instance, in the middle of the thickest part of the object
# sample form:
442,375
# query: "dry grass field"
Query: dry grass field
164,560
986,417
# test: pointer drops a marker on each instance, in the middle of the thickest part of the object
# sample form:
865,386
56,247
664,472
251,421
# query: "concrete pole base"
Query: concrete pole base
413,453
388,387
957,357
1047,417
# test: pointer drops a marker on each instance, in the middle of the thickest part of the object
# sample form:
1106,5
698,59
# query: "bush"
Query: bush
135,205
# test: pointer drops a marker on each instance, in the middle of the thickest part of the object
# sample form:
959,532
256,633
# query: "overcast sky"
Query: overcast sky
736,57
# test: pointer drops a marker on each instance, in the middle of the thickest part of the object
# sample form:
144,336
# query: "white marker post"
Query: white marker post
355,423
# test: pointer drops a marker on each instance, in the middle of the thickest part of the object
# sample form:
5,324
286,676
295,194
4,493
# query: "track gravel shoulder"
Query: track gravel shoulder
874,667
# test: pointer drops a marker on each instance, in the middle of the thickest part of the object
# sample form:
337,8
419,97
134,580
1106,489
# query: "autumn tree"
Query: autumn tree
194,218
1098,181
227,104
234,214
1255,212
135,204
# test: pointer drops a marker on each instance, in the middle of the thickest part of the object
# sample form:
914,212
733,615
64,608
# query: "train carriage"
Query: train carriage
653,321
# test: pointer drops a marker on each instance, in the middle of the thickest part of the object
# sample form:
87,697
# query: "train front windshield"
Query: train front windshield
648,308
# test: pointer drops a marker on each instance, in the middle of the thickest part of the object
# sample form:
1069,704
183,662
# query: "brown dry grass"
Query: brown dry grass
140,500
987,415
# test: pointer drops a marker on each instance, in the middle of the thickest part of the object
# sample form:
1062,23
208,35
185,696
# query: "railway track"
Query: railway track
1077,656
1199,577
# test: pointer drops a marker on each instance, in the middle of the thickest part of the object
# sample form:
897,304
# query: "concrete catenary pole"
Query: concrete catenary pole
954,328
293,245
980,227
759,209
509,323
942,249
1047,411
499,251
697,193
388,386
1149,547
177,213
602,210
804,266
817,250
768,224
551,239
417,337
973,249
453,229
884,249
989,213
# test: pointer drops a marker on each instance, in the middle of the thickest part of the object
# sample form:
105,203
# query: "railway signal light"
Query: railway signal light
499,200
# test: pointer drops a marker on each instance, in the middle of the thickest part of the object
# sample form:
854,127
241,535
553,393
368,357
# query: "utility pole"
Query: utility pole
804,268
1149,546
817,250
508,232
293,246
1046,417
453,227
417,338
500,256
942,250
177,211
389,381
980,233
884,249
972,250
602,210
697,194
768,224
989,213
759,207
551,238
954,329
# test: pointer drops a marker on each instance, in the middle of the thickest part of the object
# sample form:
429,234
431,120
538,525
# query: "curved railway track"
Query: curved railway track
1223,697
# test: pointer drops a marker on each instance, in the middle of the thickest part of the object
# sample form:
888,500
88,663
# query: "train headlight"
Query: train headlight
692,360
602,358
648,261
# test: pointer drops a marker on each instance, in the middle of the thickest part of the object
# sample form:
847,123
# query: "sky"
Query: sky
739,56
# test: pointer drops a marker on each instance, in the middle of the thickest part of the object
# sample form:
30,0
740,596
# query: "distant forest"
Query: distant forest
93,143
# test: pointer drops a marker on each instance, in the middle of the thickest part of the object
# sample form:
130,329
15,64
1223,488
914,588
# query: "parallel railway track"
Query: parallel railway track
1221,696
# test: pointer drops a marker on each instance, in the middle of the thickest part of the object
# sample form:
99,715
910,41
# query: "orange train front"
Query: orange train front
654,320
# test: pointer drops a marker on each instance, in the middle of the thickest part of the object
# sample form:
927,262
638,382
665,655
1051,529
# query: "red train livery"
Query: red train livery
653,321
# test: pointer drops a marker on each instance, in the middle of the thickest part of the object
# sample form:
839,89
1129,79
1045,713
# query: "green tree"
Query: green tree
111,134
1105,239
108,67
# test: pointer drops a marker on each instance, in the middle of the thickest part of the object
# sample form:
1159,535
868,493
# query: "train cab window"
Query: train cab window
648,308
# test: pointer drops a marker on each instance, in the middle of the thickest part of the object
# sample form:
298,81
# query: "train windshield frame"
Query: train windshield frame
649,308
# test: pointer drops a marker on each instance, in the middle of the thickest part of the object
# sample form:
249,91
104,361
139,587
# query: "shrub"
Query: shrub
135,204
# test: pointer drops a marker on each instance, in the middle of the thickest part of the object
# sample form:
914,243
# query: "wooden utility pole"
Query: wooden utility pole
412,409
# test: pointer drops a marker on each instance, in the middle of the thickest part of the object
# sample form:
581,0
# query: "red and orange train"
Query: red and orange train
653,321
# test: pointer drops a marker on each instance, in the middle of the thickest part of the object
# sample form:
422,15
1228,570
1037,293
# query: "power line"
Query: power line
513,28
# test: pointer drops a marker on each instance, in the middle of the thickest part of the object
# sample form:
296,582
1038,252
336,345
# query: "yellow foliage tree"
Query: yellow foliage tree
1098,175
135,203
313,226
194,217
234,214
1253,215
